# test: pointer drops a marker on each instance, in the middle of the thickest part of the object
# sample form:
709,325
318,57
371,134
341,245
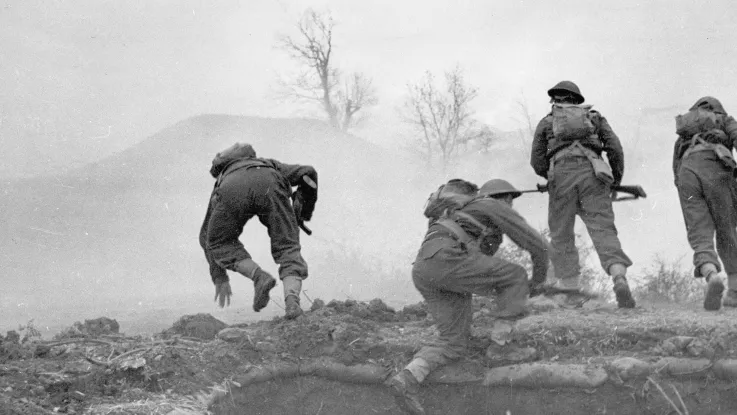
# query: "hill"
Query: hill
122,233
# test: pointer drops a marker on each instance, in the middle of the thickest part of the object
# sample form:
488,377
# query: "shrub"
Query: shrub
668,281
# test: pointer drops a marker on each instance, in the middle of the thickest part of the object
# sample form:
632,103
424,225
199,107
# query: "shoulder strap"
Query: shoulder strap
453,226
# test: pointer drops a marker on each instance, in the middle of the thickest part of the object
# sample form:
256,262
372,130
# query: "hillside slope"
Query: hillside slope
122,232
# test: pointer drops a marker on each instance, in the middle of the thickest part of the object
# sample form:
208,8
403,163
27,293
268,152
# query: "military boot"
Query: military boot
292,289
406,391
263,282
714,288
621,288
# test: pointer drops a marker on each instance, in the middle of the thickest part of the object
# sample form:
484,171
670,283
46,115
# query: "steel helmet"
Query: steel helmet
498,187
567,86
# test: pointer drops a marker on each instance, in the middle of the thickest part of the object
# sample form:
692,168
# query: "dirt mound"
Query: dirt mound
90,328
201,326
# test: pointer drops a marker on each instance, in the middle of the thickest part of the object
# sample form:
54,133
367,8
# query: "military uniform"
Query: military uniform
447,272
708,196
575,190
255,187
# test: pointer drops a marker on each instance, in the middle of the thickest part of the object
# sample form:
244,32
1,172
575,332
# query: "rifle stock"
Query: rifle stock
635,190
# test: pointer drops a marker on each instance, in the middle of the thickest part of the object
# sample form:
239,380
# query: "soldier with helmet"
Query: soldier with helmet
567,151
457,260
704,170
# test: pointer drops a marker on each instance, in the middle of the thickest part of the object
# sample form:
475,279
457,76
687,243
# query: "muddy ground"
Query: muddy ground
201,365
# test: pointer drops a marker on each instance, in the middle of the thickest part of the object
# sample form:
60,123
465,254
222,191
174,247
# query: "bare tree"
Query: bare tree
443,117
319,81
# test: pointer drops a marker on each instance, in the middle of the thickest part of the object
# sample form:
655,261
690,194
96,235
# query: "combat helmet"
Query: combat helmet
499,187
567,86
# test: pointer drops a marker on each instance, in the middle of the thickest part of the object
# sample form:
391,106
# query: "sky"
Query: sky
82,79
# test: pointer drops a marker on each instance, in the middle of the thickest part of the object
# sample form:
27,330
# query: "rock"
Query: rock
377,305
202,326
630,368
317,304
696,348
233,335
680,344
542,303
418,310
501,332
546,375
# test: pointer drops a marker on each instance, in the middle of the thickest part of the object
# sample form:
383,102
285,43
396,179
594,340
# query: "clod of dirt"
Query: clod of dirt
375,310
691,346
202,326
90,328
233,334
317,304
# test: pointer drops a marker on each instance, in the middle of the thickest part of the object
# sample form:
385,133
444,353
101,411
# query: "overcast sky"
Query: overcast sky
80,79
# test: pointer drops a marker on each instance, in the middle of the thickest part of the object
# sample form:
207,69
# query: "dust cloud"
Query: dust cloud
110,113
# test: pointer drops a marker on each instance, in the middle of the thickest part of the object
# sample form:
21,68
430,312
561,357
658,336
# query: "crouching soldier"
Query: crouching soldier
705,177
567,150
456,260
249,186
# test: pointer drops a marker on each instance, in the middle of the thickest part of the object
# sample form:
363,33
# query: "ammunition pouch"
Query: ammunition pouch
602,170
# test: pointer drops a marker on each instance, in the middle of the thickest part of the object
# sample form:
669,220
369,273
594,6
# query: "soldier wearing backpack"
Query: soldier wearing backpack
456,260
567,151
249,186
704,173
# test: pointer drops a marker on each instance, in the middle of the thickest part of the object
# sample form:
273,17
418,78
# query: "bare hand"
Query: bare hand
223,293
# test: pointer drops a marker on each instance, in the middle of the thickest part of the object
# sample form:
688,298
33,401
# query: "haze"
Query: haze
83,81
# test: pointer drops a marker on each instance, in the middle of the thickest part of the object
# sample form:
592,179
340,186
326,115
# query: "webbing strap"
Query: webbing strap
457,230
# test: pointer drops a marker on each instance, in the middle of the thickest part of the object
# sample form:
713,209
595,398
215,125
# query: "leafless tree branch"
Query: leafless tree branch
320,81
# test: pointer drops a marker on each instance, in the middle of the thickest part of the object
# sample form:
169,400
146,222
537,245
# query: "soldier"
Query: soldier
705,177
249,186
456,260
566,151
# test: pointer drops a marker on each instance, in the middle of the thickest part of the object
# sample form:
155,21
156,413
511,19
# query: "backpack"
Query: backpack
233,153
444,209
572,122
696,121
439,204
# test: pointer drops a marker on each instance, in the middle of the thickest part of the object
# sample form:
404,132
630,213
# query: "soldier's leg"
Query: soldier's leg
224,229
283,230
452,313
720,193
598,216
485,275
562,208
217,273
700,229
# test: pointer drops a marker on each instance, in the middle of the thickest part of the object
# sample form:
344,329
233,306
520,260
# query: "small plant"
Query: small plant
29,332
668,281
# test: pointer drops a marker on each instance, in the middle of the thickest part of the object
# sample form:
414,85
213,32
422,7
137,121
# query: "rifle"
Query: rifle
635,191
